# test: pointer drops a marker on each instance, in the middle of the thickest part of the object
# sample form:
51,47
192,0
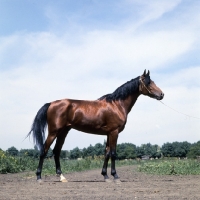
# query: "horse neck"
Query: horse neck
129,102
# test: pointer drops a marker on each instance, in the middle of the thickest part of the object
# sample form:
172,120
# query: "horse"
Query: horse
104,116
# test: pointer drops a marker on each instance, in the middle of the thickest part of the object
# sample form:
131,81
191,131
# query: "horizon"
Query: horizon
104,142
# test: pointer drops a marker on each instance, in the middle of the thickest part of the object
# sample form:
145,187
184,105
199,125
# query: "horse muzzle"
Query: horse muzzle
160,97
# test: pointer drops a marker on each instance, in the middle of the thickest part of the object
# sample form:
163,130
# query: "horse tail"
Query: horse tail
39,126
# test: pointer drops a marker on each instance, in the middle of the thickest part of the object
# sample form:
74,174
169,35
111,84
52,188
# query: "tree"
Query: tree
140,152
64,154
99,149
194,150
121,151
12,151
148,149
34,153
90,151
130,151
75,153
167,149
126,151
176,149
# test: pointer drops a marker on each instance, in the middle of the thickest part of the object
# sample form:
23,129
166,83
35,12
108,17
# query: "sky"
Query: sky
52,50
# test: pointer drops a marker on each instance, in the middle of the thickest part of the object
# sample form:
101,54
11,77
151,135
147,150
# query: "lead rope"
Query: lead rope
179,111
165,104
145,86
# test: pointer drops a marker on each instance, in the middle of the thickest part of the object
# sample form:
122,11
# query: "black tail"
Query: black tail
39,126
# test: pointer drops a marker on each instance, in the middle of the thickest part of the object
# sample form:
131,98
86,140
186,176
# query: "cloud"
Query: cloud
43,66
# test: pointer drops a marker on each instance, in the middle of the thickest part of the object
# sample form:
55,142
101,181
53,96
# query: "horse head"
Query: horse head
148,87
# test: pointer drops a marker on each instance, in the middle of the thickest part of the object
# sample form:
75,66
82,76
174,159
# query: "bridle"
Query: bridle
143,85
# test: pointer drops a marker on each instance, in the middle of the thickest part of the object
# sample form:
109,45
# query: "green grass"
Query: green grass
80,165
171,167
10,164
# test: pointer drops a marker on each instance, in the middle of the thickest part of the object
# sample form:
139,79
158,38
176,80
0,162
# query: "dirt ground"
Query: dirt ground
90,185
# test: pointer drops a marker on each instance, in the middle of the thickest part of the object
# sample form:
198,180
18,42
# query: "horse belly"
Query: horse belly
90,127
97,126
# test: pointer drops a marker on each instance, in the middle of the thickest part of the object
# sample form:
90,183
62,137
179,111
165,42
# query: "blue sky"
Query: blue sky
52,50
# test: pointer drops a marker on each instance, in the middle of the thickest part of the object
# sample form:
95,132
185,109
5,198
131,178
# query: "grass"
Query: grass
171,167
10,164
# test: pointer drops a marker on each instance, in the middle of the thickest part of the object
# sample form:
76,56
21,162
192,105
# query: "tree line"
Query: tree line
124,151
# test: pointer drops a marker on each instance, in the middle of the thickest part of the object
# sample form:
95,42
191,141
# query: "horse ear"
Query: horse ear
144,74
148,73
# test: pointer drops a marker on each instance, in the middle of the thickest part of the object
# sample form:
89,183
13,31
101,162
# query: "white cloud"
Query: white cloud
46,66
152,10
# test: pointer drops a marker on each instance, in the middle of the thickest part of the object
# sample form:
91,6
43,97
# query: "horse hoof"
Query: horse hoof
64,181
39,181
107,180
117,181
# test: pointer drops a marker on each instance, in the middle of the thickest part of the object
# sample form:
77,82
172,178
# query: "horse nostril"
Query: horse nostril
162,94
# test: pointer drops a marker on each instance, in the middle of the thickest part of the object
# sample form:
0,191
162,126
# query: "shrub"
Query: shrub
170,167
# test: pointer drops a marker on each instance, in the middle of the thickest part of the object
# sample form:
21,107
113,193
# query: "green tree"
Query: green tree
126,151
34,153
140,152
84,152
99,149
90,151
121,151
130,151
176,149
75,153
167,149
64,154
152,151
194,150
12,151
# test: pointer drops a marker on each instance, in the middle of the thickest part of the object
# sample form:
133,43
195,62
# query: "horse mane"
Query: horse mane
122,92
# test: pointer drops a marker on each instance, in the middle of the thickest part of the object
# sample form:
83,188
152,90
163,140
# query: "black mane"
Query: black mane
122,92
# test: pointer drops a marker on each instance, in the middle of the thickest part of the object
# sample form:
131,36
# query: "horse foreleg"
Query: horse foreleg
106,159
113,142
105,165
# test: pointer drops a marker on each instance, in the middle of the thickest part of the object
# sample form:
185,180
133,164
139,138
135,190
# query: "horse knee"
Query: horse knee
113,155
107,156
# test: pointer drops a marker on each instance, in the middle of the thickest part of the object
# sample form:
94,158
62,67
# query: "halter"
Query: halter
144,86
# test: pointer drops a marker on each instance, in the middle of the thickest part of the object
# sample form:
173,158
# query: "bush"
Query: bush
170,167
12,164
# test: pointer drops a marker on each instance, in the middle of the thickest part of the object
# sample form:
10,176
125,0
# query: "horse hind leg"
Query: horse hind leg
47,144
57,149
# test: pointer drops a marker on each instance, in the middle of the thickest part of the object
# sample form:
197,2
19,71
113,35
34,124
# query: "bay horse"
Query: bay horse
104,116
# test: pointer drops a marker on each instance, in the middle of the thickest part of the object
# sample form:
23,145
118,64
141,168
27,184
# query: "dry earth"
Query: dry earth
90,185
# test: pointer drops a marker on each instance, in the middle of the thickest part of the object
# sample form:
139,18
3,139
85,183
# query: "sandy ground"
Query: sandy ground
90,185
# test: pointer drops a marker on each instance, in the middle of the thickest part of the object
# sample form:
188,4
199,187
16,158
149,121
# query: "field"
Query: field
90,185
